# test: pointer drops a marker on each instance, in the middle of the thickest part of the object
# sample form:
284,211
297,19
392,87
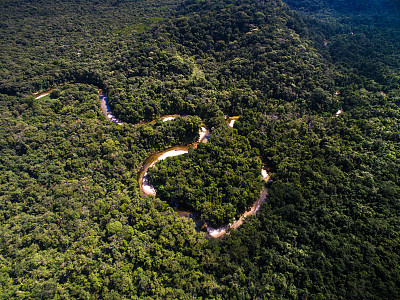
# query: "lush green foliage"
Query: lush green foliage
73,225
219,180
72,220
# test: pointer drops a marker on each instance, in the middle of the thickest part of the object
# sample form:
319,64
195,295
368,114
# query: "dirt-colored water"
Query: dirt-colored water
150,161
231,120
144,185
42,94
204,135
218,232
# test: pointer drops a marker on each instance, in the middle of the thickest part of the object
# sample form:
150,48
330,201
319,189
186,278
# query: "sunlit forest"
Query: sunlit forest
314,86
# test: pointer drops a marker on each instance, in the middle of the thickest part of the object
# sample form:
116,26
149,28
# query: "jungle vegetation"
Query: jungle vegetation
218,180
73,224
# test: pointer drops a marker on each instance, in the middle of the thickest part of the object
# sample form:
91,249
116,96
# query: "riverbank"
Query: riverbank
147,189
219,232
231,120
106,109
144,184
42,94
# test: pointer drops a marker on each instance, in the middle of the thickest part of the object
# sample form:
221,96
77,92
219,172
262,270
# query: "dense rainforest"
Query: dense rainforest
219,180
316,86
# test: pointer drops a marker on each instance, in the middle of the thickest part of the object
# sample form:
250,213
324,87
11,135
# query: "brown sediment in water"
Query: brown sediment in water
231,120
150,161
42,94
147,189
221,231
154,157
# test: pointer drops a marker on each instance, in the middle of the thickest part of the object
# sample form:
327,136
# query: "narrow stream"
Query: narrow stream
231,120
152,159
147,189
204,134
43,94
106,109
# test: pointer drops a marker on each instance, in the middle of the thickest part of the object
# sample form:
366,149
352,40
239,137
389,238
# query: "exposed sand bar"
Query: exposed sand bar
171,153
264,174
106,109
231,120
42,95
152,159
204,135
148,188
218,232
338,112
168,119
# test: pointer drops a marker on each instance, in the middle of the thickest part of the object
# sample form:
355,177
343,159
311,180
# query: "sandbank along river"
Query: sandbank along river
147,189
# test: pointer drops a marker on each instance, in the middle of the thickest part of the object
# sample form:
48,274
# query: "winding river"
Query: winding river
204,135
152,159
106,109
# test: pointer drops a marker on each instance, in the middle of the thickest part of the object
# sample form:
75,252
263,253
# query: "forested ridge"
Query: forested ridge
73,222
